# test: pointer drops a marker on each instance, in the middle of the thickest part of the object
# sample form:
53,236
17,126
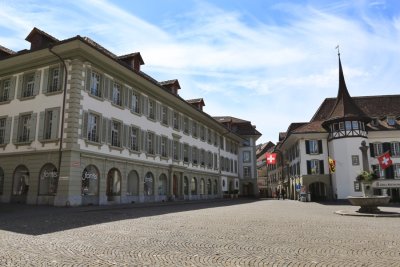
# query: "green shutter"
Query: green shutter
15,130
36,87
88,79
60,77
84,125
104,130
45,80
20,85
32,127
125,136
42,115
126,96
109,126
8,130
56,122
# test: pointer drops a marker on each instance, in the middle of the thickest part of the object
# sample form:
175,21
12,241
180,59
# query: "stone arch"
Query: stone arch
133,183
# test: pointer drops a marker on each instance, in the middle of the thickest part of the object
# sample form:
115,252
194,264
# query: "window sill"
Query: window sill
27,98
88,142
117,106
135,113
134,152
5,102
53,93
115,148
96,97
45,141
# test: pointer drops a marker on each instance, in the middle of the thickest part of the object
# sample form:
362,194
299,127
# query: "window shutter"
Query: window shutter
126,96
84,134
321,167
158,112
20,85
12,88
60,77
88,79
375,170
308,167
170,117
56,123
42,115
32,127
104,126
15,130
371,150
45,80
109,127
386,147
130,92
157,145
107,87
320,146
181,151
389,172
125,136
307,147
37,82
145,105
144,141
8,130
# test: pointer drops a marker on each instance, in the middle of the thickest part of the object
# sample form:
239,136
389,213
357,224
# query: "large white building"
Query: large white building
337,130
80,125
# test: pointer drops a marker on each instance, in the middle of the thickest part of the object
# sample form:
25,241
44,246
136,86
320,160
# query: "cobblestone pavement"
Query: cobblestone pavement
221,233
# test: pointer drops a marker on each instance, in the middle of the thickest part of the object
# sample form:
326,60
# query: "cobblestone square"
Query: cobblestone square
219,233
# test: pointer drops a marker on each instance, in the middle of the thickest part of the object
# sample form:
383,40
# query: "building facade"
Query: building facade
80,125
337,130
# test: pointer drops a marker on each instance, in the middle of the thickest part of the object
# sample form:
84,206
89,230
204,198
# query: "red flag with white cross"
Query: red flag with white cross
384,160
270,158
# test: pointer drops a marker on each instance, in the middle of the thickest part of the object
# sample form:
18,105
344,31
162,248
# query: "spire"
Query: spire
344,108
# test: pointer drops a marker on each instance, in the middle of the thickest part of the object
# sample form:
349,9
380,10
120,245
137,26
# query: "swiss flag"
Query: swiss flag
271,158
384,160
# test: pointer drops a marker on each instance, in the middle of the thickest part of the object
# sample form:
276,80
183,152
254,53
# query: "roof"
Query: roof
132,55
37,31
239,126
223,119
6,50
344,108
171,83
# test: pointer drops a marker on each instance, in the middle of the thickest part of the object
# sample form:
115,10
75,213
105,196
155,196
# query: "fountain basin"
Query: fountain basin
369,204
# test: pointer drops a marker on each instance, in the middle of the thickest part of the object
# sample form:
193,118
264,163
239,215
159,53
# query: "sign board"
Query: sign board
386,184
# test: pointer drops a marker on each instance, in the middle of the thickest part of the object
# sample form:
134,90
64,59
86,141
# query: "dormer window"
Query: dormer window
375,122
391,121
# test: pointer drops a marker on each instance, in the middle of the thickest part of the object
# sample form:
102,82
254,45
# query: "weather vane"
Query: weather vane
338,51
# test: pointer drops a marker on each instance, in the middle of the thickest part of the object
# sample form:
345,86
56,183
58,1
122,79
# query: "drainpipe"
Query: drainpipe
64,85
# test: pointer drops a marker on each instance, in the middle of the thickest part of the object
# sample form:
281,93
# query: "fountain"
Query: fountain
368,203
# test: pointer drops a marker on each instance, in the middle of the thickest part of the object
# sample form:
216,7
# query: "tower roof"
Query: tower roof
344,108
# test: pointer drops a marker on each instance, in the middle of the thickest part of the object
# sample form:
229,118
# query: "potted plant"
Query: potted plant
365,178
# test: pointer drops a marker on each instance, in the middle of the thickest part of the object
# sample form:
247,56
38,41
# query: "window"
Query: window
185,153
355,125
209,135
150,143
135,102
54,80
202,157
1,181
113,183
164,115
133,184
163,185
5,87
391,121
246,172
185,186
134,139
215,187
395,149
202,185
95,84
186,125
90,179
246,156
215,161
93,129
21,181
194,155
396,170
49,121
348,125
28,85
116,131
26,128
210,159
194,129
202,133
148,184
215,139
378,149
193,186
221,142
117,94
164,146
152,106
48,180
175,121
313,146
315,166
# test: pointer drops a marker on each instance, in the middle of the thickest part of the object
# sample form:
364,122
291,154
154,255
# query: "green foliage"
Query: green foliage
365,176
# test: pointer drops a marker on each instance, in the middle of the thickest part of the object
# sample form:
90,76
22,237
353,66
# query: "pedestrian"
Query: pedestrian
283,194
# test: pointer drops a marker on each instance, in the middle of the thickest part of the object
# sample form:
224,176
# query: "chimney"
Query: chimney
171,86
134,60
39,39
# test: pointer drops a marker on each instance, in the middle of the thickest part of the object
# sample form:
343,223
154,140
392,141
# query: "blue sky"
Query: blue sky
270,62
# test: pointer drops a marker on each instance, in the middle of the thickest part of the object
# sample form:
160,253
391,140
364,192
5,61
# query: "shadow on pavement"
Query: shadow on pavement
39,220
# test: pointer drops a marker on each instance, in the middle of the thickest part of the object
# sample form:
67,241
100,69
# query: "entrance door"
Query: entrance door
20,185
318,191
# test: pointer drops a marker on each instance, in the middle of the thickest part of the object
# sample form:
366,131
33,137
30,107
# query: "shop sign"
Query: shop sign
89,176
49,174
386,184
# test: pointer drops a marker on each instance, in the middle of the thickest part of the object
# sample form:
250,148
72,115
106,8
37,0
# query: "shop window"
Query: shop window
1,180
48,180
21,181
215,187
114,182
163,185
133,184
90,180
202,186
148,184
185,186
194,186
209,187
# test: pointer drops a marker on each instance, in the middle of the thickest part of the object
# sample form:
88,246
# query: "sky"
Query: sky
268,62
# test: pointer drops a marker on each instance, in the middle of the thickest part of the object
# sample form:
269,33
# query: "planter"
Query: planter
369,204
